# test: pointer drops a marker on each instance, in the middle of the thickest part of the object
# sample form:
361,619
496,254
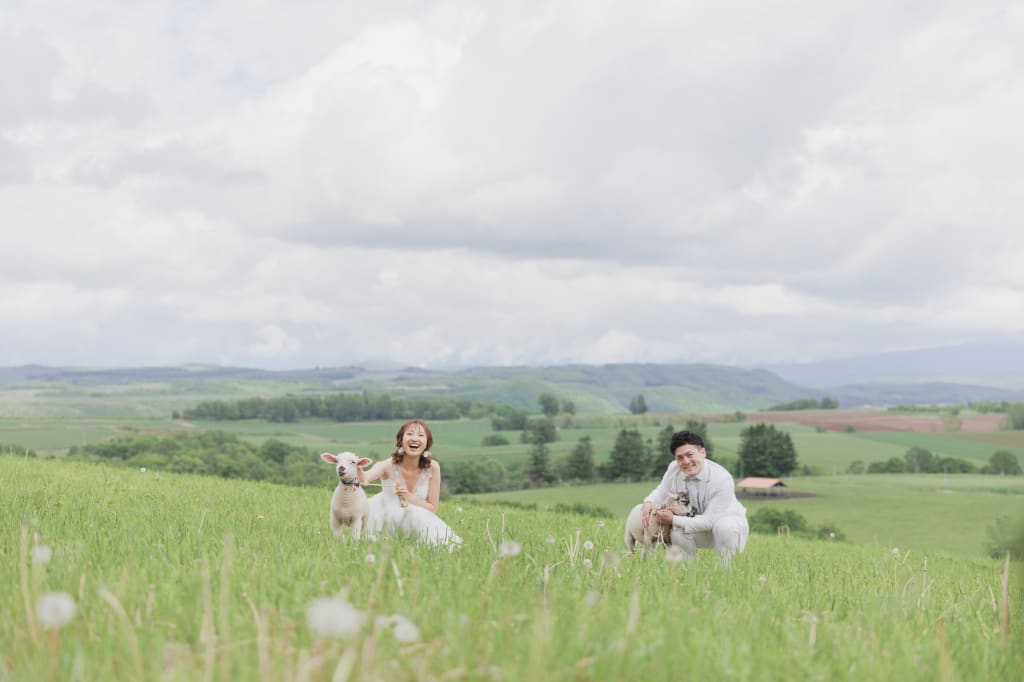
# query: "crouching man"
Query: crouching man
720,520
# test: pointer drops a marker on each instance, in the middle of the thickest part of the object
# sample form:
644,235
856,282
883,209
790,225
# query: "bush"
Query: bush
493,440
16,450
1005,536
583,510
766,520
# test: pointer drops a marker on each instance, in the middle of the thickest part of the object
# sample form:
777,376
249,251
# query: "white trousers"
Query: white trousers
727,536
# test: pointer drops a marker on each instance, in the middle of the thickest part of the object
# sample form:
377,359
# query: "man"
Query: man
720,520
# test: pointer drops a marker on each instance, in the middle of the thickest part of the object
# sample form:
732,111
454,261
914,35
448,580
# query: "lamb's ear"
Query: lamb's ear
364,461
328,457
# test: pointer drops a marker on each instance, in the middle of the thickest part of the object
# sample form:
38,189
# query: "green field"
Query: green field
911,511
189,578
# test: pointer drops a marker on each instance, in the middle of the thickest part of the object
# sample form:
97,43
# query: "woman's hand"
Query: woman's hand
402,492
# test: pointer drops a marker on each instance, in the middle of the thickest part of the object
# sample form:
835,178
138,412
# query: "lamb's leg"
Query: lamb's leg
357,527
337,527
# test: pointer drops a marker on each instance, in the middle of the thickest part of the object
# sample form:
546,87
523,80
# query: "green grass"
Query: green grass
190,578
977,452
920,512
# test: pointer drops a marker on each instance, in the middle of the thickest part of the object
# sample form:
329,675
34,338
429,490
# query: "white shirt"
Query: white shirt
712,495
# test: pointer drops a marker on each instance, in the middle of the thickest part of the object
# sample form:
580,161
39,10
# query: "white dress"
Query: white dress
387,515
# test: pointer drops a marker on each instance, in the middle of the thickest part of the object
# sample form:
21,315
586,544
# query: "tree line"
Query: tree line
826,403
918,460
764,451
341,407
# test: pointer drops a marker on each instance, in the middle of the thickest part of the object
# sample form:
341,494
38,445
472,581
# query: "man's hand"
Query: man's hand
664,516
645,514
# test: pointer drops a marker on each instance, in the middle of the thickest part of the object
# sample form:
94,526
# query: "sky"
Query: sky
453,184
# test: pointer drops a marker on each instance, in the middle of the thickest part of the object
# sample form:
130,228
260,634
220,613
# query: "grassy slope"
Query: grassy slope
190,578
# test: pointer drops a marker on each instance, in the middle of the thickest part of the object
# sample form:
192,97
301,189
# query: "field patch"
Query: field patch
868,420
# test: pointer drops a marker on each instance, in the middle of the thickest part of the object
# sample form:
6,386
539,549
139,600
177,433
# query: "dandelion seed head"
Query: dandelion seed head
333,617
403,629
370,558
588,564
761,579
895,551
588,545
142,470
41,555
55,610
459,509
550,540
509,548
832,535
674,554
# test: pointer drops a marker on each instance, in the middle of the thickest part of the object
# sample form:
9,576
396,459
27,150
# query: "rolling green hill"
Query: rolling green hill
595,389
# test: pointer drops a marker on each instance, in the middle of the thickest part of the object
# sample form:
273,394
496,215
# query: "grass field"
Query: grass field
182,578
912,511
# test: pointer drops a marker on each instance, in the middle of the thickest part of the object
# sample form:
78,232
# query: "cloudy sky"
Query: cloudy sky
445,184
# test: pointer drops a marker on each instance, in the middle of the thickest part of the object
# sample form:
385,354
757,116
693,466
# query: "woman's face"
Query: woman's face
414,440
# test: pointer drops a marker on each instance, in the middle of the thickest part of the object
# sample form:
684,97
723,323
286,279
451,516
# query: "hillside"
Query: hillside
596,389
37,391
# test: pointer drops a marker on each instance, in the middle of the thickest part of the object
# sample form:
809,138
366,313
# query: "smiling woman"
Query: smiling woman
411,489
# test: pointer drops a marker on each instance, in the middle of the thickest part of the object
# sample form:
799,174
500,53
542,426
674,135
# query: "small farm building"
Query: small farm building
761,486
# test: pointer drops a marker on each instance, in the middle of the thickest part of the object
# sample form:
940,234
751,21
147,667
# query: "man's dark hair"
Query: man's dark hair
684,438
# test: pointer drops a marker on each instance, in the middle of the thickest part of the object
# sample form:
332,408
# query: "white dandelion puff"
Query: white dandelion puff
142,470
41,555
588,564
55,610
895,551
333,617
588,545
509,548
403,629
459,509
832,535
674,553
761,579
370,558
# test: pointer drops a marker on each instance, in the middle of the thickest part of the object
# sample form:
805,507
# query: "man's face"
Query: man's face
690,459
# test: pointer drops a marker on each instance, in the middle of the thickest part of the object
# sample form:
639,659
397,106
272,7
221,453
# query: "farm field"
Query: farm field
182,578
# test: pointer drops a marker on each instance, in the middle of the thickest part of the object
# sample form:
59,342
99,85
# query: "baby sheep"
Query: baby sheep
349,506
654,533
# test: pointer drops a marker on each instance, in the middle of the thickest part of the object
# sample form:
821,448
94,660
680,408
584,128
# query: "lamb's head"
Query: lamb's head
347,465
679,503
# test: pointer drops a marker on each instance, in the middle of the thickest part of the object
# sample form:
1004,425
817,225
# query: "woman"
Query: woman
411,489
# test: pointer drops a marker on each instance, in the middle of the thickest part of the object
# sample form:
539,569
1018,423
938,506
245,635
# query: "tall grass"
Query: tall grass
183,578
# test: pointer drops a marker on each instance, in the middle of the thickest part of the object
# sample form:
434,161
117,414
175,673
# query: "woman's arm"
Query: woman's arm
381,469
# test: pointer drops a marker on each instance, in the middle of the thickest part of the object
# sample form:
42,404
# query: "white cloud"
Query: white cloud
477,183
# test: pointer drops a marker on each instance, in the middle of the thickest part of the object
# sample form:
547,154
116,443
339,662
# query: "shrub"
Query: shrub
1005,536
583,510
766,520
493,440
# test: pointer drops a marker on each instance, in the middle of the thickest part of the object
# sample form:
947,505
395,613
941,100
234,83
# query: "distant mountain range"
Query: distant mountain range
989,364
892,379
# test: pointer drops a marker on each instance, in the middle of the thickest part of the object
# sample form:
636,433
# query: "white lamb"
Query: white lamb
654,533
349,506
